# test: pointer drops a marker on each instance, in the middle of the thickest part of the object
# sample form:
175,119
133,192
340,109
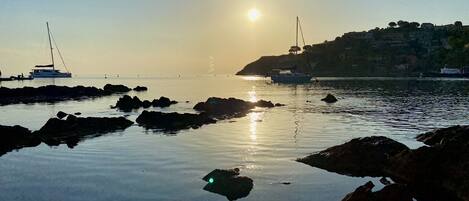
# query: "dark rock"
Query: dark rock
263,103
16,137
50,93
126,103
225,108
279,105
163,102
78,113
173,121
393,192
74,129
61,115
228,183
440,170
146,104
385,181
329,99
140,88
116,88
359,157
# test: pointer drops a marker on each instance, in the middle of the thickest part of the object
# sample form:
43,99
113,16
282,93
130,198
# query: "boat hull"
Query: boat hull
52,75
291,79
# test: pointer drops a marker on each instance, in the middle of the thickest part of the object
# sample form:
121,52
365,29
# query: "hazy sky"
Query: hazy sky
170,37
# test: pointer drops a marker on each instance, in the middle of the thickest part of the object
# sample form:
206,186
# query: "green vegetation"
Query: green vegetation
401,49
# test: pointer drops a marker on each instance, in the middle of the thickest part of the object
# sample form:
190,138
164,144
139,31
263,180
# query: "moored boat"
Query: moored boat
49,70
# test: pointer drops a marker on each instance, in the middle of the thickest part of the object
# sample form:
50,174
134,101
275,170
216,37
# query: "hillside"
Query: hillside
401,49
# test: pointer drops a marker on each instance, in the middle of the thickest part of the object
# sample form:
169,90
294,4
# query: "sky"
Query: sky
188,37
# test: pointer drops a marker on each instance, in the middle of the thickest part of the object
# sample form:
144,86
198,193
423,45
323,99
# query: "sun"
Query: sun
254,14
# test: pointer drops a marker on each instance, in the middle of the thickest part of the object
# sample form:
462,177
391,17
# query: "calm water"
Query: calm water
142,165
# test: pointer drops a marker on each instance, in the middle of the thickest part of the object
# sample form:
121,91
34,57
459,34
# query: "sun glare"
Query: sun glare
254,14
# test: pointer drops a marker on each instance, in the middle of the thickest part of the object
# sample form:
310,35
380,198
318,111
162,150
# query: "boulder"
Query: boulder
16,137
61,115
74,129
440,170
140,88
126,103
225,108
116,88
173,121
329,99
228,183
163,102
366,156
77,113
393,192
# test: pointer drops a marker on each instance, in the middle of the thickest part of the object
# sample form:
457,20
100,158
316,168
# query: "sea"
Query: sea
139,164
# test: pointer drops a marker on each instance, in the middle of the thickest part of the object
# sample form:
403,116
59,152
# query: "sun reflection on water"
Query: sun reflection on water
252,94
254,118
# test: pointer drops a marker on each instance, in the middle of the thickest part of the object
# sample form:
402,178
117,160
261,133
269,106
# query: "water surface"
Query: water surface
137,164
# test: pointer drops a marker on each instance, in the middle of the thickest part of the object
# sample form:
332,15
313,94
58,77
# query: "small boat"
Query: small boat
292,75
287,76
49,71
447,72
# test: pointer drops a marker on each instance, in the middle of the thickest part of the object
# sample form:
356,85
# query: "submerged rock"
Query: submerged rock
329,99
140,88
16,137
224,108
173,121
359,157
228,183
74,129
126,103
52,93
393,192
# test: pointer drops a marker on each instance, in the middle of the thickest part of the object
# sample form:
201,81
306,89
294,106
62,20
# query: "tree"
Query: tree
403,24
458,24
392,24
414,25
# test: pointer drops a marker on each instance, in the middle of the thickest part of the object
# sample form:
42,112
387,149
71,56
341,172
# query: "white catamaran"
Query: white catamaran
292,75
49,71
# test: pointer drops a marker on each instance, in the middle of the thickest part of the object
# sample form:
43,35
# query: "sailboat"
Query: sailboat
49,71
292,75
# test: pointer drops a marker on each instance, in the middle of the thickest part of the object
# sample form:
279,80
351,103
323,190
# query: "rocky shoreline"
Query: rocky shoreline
438,171
53,93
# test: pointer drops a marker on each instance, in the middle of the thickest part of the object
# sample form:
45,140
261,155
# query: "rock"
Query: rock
50,93
225,108
74,129
16,137
228,183
279,105
61,115
384,181
126,103
163,102
263,103
140,88
78,113
359,157
439,171
329,99
173,121
393,192
362,193
116,88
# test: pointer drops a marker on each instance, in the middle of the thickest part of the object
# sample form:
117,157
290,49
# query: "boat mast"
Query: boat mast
297,21
50,44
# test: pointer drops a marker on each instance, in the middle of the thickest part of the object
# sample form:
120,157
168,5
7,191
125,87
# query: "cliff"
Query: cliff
402,49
